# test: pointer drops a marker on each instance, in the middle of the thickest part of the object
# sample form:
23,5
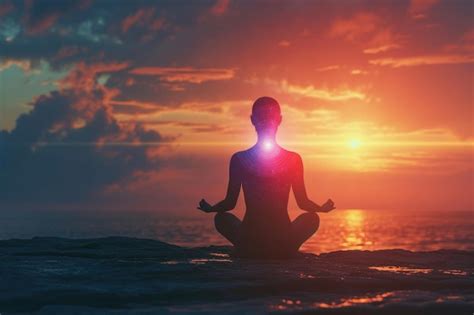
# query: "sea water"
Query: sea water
339,230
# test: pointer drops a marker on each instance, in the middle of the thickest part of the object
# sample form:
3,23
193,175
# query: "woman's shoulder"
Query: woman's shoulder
251,152
239,156
291,154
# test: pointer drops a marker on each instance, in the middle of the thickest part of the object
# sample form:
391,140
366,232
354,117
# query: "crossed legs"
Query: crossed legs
228,225
302,228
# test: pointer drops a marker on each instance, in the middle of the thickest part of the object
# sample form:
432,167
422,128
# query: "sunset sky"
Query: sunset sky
138,105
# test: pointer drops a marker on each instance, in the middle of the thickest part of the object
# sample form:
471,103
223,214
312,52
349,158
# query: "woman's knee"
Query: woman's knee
221,219
311,220
304,226
218,219
227,225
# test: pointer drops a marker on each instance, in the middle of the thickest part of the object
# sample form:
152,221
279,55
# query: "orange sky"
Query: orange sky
377,97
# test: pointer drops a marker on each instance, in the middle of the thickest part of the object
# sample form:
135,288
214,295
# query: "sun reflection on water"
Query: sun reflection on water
361,229
341,229
401,269
353,229
411,270
296,304
370,299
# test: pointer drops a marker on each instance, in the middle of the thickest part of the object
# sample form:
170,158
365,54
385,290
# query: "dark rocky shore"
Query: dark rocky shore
118,275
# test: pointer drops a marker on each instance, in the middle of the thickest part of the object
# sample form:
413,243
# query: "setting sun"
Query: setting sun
354,143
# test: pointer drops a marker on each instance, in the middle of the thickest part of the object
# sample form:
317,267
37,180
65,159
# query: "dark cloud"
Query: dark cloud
6,7
39,16
69,147
63,32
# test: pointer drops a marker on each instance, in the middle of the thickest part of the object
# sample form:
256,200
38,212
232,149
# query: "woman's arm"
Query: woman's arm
299,189
233,190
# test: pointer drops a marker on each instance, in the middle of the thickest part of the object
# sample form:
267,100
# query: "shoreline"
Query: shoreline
120,275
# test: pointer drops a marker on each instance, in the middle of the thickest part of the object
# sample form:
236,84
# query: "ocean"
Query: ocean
348,229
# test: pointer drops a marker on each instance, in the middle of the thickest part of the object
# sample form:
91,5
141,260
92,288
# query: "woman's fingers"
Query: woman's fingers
204,206
203,203
328,206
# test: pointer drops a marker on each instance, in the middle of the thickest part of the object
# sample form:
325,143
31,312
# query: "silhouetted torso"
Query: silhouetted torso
266,177
266,172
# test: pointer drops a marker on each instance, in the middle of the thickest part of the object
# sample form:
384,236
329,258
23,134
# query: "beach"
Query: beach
119,275
359,262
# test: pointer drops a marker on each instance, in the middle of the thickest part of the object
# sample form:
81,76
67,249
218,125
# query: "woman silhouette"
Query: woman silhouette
266,172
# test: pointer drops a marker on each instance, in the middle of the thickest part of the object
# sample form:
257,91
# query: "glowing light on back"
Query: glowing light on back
268,145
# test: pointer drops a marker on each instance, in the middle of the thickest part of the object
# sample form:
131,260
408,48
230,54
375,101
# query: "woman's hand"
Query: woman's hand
204,206
327,206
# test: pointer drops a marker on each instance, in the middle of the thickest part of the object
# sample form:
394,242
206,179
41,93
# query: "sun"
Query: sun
354,143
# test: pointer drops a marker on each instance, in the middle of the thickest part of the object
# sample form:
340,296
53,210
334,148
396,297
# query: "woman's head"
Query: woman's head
266,114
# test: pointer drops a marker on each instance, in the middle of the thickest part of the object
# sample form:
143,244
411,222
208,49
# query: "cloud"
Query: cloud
284,43
135,107
418,8
358,71
186,120
142,17
383,40
193,126
40,16
84,76
328,68
6,7
423,60
322,94
64,32
23,64
369,28
185,74
220,7
356,26
464,45
379,49
70,147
